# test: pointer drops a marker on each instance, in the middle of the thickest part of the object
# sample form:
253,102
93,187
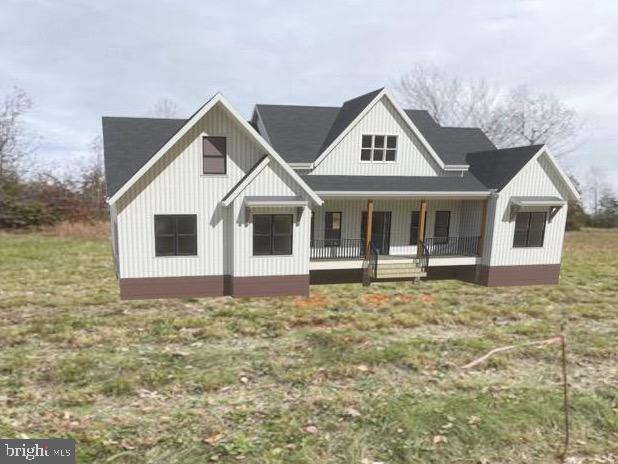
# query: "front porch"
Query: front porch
395,239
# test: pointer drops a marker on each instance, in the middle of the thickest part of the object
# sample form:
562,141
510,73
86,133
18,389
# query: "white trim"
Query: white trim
456,167
274,202
572,190
437,261
301,165
362,114
358,193
246,181
218,98
521,201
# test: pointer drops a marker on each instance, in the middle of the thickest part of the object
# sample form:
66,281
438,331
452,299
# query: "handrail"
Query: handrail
424,259
336,248
450,246
373,260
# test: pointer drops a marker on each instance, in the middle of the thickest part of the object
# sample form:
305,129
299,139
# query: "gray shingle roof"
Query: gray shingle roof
348,113
466,183
297,132
495,168
451,143
129,143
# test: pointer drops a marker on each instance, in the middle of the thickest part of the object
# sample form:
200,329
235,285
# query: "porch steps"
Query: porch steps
399,270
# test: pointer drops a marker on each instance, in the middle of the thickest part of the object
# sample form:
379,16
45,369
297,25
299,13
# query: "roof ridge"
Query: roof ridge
144,117
296,106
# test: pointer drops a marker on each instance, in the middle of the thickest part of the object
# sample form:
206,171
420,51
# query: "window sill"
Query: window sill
272,256
176,256
213,175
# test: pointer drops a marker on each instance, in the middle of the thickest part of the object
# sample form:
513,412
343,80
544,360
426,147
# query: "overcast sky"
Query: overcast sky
80,60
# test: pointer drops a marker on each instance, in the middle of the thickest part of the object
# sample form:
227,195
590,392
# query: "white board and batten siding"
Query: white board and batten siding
272,181
176,185
537,178
412,158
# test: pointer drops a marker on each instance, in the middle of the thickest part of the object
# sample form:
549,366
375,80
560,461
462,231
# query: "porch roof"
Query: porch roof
397,185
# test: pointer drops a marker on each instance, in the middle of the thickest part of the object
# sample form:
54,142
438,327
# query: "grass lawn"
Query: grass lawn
350,375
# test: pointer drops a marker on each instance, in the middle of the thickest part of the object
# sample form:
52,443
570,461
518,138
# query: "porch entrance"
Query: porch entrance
380,230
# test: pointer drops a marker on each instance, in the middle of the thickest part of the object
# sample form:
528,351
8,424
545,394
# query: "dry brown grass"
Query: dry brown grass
90,230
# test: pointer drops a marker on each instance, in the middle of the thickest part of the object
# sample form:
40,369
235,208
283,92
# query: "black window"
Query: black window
414,225
175,234
440,229
379,148
529,229
332,229
214,151
272,234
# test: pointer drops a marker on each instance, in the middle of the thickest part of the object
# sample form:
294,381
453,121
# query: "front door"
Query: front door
380,230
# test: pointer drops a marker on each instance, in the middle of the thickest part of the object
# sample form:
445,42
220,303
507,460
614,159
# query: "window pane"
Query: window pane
378,155
335,221
442,223
187,225
214,165
537,229
521,221
391,141
214,146
165,225
390,155
164,246
282,245
414,227
261,224
187,245
282,224
366,141
378,141
520,238
261,244
366,155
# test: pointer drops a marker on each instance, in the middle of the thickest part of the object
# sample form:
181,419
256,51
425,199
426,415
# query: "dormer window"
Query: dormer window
379,148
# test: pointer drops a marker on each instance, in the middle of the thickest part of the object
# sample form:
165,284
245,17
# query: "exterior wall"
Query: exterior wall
538,178
176,185
113,216
401,216
272,181
412,158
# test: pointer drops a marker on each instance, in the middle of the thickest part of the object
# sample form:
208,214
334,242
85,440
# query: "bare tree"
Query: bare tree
92,179
509,117
14,143
596,188
164,108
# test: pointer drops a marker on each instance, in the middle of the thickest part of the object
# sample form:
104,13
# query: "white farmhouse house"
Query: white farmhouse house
300,195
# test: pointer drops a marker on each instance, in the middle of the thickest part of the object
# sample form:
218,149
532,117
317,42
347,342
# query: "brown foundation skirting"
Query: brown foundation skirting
287,285
172,287
536,274
204,286
335,276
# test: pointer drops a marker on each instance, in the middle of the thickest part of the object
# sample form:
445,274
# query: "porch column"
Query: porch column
369,223
421,228
483,226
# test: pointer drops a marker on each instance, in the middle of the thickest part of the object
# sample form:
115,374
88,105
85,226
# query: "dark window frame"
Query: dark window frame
330,241
205,156
414,241
442,238
175,235
273,235
528,229
371,148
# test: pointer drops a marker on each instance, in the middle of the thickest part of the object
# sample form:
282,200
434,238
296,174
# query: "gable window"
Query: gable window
379,148
414,224
441,226
332,229
175,234
529,229
214,153
272,234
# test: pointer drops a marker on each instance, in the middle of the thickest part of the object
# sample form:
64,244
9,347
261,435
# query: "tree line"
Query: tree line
32,196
